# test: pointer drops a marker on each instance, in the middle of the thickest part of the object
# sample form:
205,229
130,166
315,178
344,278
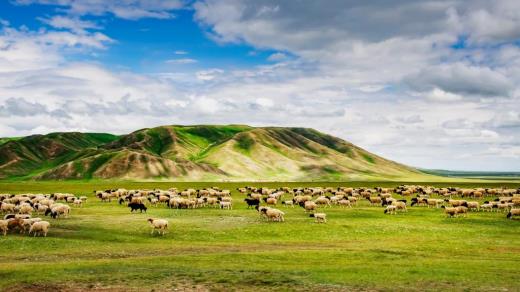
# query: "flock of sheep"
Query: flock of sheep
19,210
456,202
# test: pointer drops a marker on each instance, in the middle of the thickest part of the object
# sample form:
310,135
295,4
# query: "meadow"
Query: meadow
103,246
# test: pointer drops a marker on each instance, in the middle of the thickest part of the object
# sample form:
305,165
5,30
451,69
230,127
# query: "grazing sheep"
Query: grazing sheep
137,206
288,203
320,217
3,226
501,207
390,209
14,223
322,201
57,210
401,206
434,203
41,208
455,203
275,215
40,228
472,205
419,201
262,210
510,215
161,225
25,209
271,201
309,206
78,202
226,205
487,207
450,211
345,203
462,210
7,207
27,223
375,200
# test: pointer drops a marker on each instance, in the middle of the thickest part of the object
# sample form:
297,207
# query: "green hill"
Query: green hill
189,153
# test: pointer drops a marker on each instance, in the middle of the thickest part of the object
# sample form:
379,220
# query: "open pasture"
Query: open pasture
103,246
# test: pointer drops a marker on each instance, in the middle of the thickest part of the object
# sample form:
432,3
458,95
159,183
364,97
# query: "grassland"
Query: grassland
103,246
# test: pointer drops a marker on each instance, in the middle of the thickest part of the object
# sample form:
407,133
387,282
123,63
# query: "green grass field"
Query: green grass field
103,246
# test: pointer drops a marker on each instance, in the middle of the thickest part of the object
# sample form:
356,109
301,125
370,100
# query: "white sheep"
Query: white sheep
390,209
40,228
78,202
4,226
320,217
226,205
161,225
275,215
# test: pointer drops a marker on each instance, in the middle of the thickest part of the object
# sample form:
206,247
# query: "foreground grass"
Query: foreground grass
103,245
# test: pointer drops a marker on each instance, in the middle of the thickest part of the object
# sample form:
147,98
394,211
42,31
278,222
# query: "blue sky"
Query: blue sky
432,84
144,45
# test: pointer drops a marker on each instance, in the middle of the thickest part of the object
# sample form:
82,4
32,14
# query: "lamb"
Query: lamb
161,225
137,206
320,217
40,228
390,209
510,215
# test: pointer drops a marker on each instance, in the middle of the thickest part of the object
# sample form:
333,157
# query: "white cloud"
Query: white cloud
128,9
181,61
277,57
74,24
208,75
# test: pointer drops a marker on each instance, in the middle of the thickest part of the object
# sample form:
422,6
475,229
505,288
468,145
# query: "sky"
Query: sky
432,84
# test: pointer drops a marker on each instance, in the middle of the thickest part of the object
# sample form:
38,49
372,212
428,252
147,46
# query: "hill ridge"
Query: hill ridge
196,152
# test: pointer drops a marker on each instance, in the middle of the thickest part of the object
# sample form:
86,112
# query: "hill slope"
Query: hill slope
232,152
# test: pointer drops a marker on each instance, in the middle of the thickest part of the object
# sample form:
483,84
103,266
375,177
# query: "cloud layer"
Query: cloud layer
429,83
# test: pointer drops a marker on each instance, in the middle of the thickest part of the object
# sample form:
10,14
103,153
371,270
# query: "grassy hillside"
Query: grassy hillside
26,157
189,153
104,247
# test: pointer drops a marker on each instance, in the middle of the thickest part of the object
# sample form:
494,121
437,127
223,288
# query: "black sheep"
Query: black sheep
252,202
137,206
